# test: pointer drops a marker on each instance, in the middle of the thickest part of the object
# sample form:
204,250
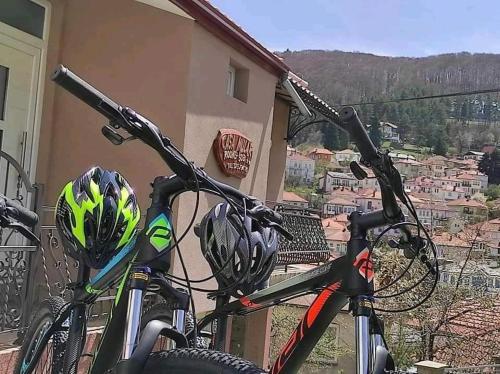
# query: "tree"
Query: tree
492,192
374,130
330,136
328,349
440,147
425,332
490,165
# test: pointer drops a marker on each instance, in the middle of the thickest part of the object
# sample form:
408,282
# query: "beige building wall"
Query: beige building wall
139,59
277,155
173,71
210,109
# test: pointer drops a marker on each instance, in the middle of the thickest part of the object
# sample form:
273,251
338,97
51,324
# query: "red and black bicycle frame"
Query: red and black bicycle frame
336,283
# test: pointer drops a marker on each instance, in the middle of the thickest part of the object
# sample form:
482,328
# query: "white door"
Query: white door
19,71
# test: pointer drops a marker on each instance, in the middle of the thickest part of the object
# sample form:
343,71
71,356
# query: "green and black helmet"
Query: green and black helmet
96,216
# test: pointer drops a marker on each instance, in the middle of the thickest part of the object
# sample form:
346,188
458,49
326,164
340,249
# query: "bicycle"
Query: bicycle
142,266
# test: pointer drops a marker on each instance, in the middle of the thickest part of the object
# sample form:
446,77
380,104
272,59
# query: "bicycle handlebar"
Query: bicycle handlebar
371,157
88,94
15,211
143,129
387,175
352,124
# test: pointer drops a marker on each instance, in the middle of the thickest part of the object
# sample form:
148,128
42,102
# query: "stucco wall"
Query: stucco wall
277,155
210,109
174,72
139,58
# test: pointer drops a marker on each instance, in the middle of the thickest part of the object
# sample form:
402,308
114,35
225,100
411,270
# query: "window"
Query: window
231,77
24,15
237,81
477,281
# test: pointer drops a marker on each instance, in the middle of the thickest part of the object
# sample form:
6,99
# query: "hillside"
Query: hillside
347,77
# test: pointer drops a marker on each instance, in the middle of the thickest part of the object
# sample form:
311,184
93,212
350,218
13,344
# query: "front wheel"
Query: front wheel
47,359
198,361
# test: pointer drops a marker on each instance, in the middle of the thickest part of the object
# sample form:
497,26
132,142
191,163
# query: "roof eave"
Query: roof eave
216,22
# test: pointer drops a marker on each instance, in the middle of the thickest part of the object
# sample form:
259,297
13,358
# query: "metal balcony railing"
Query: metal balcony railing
309,244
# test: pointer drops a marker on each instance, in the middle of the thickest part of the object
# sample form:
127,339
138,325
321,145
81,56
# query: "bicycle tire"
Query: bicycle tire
47,312
198,361
163,312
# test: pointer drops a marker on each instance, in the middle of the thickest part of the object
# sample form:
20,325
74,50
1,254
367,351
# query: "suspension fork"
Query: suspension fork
361,310
138,283
376,337
179,320
77,324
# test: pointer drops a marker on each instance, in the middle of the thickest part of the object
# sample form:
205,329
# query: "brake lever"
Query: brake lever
263,212
281,230
114,137
413,249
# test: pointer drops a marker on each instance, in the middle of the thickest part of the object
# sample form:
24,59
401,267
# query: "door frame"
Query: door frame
38,48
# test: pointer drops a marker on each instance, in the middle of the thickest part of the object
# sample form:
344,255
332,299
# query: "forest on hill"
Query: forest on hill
448,125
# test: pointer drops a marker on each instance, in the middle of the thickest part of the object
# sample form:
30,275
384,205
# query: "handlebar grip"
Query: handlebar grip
19,213
352,124
87,93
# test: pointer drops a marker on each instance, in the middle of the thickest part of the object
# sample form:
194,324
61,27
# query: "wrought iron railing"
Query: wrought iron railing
54,269
30,273
309,244
15,251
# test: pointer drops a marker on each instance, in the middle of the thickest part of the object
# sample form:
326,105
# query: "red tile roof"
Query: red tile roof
291,196
478,324
334,225
337,235
465,202
466,176
343,192
369,193
321,151
338,218
449,240
341,201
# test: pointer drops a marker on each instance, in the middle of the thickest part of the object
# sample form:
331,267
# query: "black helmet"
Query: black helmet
96,216
240,261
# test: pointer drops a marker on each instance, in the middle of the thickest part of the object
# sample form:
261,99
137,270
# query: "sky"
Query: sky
412,28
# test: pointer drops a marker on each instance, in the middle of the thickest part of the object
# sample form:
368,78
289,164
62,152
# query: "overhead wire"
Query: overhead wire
415,98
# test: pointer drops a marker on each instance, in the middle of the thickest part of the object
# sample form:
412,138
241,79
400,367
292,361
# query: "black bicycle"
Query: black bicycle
126,346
